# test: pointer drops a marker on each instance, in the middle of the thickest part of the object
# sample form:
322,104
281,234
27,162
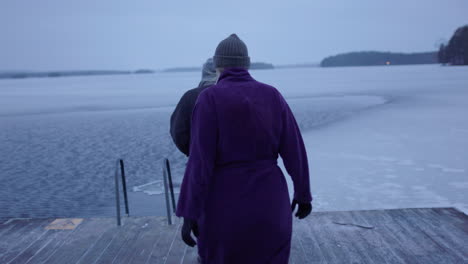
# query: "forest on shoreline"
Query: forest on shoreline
373,58
455,52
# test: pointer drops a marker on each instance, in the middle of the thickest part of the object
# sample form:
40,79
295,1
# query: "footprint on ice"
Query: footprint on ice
446,169
406,162
453,170
459,185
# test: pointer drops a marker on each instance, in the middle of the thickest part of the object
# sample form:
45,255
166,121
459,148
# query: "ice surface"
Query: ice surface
377,137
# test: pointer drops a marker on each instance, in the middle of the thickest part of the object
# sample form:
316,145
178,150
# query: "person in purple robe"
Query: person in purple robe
234,197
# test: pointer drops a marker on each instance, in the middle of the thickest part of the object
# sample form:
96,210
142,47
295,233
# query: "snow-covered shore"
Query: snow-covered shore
407,154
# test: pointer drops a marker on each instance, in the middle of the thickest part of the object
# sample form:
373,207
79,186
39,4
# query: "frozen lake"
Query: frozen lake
377,137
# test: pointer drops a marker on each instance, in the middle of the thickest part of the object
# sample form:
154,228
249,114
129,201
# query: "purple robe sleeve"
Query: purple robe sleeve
201,161
293,153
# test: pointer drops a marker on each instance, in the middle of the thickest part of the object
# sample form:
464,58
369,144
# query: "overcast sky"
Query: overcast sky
116,34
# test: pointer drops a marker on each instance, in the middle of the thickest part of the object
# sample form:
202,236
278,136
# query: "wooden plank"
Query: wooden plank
14,234
452,241
331,252
326,255
27,237
123,233
459,220
374,239
101,247
162,246
145,242
8,230
420,228
449,247
451,216
396,240
41,250
350,240
35,247
349,245
353,237
400,236
129,247
13,227
95,251
310,245
427,250
297,254
6,225
79,242
191,255
415,251
177,249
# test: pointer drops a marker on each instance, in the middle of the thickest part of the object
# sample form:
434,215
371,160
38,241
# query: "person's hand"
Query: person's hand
188,227
304,209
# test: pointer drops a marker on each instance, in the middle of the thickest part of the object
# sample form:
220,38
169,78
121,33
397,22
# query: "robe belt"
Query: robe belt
247,164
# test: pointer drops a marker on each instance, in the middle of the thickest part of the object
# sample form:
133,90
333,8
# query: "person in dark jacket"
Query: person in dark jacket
181,118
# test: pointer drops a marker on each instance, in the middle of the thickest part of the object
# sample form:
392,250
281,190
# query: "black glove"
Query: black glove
188,227
304,209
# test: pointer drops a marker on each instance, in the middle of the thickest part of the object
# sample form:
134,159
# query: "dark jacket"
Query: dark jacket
182,117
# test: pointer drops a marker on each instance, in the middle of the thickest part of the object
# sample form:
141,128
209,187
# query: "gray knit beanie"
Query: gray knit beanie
232,52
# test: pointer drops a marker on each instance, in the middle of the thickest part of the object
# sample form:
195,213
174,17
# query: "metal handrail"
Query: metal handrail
124,186
168,187
168,190
171,186
120,164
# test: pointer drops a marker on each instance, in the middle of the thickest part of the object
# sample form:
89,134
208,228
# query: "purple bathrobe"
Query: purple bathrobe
232,185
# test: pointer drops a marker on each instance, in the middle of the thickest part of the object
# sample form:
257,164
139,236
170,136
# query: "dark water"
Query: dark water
64,164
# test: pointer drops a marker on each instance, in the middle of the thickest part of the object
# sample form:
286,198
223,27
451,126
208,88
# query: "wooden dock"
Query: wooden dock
432,235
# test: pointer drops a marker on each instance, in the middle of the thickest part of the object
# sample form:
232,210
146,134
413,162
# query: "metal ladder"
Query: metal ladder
168,190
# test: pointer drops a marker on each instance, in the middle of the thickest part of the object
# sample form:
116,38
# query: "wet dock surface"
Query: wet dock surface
430,235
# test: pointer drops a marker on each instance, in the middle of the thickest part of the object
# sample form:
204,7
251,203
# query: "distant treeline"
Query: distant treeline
456,51
21,74
261,66
299,65
372,58
253,66
183,69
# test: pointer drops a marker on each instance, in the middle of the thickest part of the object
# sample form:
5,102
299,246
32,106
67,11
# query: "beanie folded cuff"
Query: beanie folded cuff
231,61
